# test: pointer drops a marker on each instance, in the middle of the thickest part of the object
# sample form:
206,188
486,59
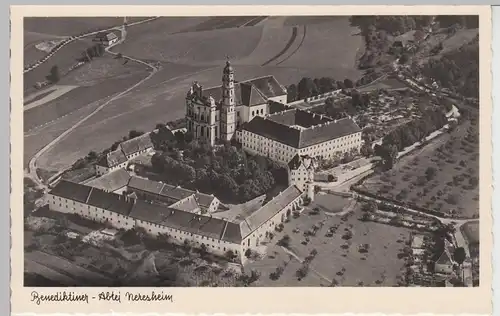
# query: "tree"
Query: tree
134,134
348,83
230,255
367,150
54,75
459,255
306,88
248,253
292,93
369,207
430,173
284,241
403,59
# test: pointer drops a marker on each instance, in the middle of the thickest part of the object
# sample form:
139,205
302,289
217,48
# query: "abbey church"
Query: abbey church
240,111
216,113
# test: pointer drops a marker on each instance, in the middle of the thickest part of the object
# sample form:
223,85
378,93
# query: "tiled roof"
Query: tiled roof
111,181
232,233
136,144
295,163
106,35
167,190
298,117
275,131
250,92
268,86
259,217
110,201
188,204
329,131
204,199
112,159
145,185
177,219
279,128
250,96
177,193
275,107
71,190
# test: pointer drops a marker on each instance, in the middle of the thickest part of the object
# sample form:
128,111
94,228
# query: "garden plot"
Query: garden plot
386,112
442,176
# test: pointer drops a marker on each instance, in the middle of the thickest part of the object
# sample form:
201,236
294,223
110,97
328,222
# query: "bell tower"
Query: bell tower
228,112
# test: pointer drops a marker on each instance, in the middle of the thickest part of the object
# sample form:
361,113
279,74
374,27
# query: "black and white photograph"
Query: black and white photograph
251,151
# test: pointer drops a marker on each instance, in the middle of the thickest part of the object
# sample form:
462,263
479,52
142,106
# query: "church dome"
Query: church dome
228,67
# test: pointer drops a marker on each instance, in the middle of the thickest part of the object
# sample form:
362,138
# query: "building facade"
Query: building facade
301,170
292,132
126,151
216,113
178,220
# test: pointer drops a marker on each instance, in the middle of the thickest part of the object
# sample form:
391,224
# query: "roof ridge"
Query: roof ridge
90,193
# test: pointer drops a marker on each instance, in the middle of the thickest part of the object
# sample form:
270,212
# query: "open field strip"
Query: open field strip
35,139
328,44
31,266
32,164
290,42
56,93
273,40
207,48
302,32
31,67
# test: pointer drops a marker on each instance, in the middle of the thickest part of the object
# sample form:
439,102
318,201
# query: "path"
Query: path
32,163
293,254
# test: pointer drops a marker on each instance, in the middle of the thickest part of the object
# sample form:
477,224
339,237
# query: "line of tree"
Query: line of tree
408,134
308,87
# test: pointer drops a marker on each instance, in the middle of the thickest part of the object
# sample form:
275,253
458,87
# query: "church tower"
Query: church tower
228,112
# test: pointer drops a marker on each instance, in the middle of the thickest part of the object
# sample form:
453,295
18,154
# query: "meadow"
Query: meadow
349,252
442,176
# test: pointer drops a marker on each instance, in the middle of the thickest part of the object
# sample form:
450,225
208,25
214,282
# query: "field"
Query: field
198,56
356,253
31,39
451,183
66,26
195,48
332,45
64,59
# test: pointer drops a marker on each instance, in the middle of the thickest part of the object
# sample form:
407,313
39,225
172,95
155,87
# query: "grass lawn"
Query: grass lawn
329,202
337,259
329,45
455,158
63,59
